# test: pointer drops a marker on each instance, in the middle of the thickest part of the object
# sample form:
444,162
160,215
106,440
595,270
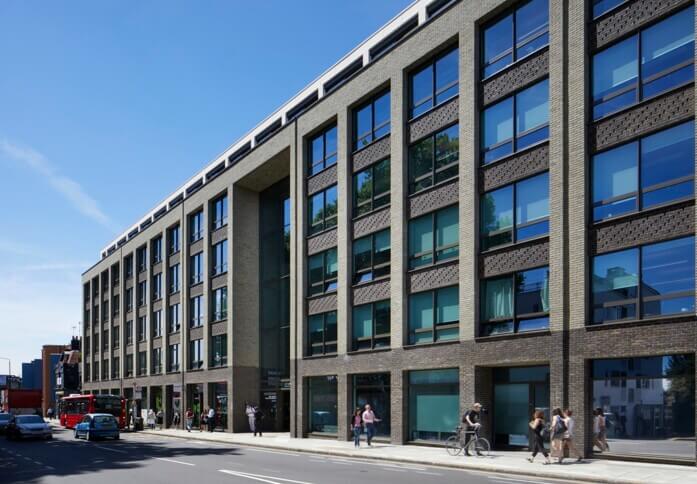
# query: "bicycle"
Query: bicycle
477,445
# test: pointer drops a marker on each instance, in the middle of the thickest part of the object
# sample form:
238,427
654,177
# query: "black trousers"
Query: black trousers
538,445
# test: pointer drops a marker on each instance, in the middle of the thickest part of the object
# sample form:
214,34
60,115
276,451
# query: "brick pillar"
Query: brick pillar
342,408
398,406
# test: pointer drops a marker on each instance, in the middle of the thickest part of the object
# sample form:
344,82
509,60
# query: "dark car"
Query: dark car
4,420
28,426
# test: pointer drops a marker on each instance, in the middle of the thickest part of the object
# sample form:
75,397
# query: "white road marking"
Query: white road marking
175,461
429,473
507,480
392,469
110,449
262,478
294,454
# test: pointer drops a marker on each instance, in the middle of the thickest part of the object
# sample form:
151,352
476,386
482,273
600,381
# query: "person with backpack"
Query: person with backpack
537,425
557,434
258,417
356,427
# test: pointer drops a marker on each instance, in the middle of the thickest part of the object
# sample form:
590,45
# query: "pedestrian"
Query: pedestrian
568,439
471,420
249,411
160,418
557,434
369,420
211,419
600,430
49,413
175,420
537,424
356,426
202,420
189,416
151,419
258,417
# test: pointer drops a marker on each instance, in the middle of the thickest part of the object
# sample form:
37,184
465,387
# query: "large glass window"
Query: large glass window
173,357
173,238
516,303
196,226
322,272
655,60
516,122
434,404
322,403
434,83
157,250
514,36
142,363
644,282
157,286
157,323
321,334
515,212
129,332
434,315
371,326
602,6
219,304
195,354
662,163
371,188
371,121
434,237
648,404
322,210
142,328
196,268
173,315
374,389
219,212
174,273
220,257
322,150
156,366
195,311
371,257
219,350
434,159
142,258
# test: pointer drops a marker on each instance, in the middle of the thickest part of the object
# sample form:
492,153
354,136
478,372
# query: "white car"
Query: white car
28,426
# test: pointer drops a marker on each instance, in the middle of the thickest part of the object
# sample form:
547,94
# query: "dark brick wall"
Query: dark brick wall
433,199
433,121
516,77
373,222
518,166
318,243
376,151
517,258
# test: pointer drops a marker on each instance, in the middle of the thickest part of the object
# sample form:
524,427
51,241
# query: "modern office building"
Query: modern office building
485,201
31,375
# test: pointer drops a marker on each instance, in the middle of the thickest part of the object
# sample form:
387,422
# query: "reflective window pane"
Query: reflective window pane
532,291
497,127
614,69
667,269
532,107
532,207
421,317
421,241
532,25
447,233
422,91
498,298
498,38
446,76
615,282
615,173
381,113
496,213
668,43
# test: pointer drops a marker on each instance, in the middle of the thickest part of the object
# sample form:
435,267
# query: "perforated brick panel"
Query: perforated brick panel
644,228
516,77
437,119
368,293
322,180
196,333
325,240
648,117
371,223
219,328
372,153
433,199
321,304
433,278
514,259
515,168
631,16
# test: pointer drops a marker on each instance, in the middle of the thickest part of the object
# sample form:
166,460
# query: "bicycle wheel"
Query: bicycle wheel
479,446
452,445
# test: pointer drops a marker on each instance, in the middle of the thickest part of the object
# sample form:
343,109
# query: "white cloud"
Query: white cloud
63,185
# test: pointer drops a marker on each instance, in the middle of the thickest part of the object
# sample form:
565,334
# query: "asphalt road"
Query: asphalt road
141,458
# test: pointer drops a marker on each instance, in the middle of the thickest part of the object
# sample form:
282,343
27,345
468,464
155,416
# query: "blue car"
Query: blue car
96,426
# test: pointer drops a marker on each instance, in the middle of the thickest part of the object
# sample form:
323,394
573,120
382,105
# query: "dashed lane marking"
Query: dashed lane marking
262,478
110,449
175,461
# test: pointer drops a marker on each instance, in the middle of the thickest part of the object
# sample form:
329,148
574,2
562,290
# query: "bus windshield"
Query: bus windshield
107,404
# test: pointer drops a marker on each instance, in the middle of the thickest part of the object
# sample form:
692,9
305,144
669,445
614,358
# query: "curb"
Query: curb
475,467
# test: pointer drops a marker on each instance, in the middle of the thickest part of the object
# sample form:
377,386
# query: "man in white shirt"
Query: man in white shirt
211,419
369,420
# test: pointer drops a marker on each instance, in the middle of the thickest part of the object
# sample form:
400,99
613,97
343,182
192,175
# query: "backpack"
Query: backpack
559,427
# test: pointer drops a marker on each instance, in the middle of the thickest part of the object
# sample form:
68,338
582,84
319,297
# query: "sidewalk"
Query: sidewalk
597,471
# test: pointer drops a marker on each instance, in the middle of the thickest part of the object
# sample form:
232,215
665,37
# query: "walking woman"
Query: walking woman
356,426
558,431
569,436
602,430
538,426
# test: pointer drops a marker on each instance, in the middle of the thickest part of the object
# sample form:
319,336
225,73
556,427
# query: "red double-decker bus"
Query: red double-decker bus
73,407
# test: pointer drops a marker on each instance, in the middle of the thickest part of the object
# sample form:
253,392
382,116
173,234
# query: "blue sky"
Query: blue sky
106,107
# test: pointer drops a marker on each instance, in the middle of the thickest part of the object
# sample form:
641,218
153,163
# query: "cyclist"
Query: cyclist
471,421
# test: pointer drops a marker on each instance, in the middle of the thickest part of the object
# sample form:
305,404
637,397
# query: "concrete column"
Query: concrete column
344,224
398,406
297,270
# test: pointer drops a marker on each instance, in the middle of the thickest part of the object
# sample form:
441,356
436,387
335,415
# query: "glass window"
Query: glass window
196,311
220,212
649,281
157,286
142,258
156,361
649,399
374,389
501,224
157,250
434,159
322,402
219,304
322,210
142,328
142,363
219,350
196,268
371,188
220,257
157,323
196,226
173,237
195,354
602,6
173,315
622,75
501,136
437,309
174,272
664,162
142,293
434,237
322,150
173,358
322,272
434,83
371,257
371,121
516,303
371,326
529,23
434,404
321,334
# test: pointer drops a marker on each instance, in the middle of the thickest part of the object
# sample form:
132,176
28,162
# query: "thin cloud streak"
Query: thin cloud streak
63,185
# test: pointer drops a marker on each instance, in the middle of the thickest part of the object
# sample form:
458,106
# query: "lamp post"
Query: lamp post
9,364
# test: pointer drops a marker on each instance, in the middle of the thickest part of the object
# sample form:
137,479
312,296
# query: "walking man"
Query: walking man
369,420
211,419
249,412
258,417
472,425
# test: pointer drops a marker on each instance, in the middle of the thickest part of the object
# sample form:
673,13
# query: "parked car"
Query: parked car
97,425
4,420
27,426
